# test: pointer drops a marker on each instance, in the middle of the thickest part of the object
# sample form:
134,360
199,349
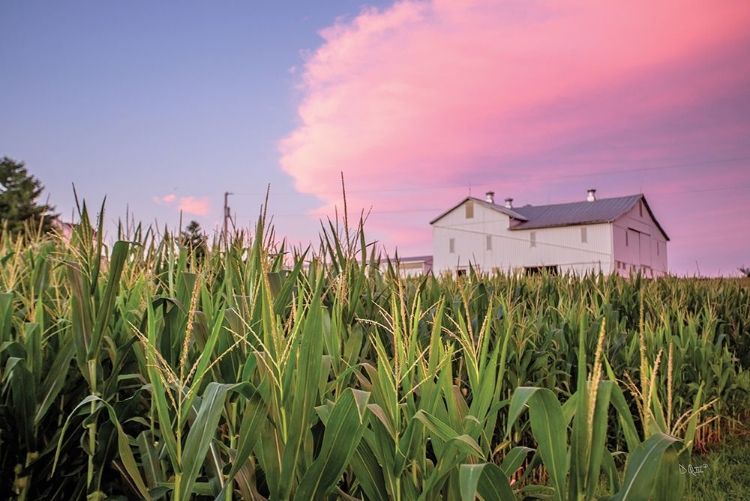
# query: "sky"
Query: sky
162,107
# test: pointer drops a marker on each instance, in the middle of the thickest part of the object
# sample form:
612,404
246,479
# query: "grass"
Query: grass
727,473
724,472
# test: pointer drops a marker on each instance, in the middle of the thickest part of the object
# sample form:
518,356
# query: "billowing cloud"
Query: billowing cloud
418,102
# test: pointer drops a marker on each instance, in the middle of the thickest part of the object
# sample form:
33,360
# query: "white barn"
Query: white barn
613,235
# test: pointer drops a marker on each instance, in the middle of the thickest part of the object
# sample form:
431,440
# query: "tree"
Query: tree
19,192
745,271
195,240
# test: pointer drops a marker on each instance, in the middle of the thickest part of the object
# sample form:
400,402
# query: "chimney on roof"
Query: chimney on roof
508,203
490,197
592,195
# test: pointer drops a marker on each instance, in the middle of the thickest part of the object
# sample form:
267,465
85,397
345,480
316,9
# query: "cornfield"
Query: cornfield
263,372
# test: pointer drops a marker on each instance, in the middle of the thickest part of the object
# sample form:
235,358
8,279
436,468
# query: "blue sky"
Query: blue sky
135,100
164,106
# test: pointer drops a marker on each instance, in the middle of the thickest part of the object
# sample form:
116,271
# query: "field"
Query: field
262,372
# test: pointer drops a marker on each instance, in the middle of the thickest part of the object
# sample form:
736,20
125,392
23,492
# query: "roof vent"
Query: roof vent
490,197
508,203
592,195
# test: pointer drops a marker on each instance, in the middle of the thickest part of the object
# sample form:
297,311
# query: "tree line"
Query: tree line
22,213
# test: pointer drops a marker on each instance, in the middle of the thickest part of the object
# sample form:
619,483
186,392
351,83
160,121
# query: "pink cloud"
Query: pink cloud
441,95
168,199
195,206
189,205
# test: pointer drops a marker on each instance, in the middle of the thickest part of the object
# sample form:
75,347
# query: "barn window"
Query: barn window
532,239
489,242
452,245
640,207
626,238
469,209
584,235
657,248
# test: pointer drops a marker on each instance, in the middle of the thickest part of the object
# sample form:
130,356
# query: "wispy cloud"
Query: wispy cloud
168,199
434,95
194,206
189,205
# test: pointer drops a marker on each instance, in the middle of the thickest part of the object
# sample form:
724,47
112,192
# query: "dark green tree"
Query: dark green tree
195,240
19,192
745,270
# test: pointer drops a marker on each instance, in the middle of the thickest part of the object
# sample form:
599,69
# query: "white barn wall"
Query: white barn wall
644,249
562,247
469,236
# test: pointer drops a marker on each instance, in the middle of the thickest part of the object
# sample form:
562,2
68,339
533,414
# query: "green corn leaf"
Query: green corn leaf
306,392
6,316
486,480
123,444
55,379
610,470
202,433
369,473
203,361
81,320
23,392
670,483
269,451
150,460
284,296
253,424
344,430
33,347
158,389
625,418
549,430
514,459
643,466
469,480
116,265
693,421
596,448
447,434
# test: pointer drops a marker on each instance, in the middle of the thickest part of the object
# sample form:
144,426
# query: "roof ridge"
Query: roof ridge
580,201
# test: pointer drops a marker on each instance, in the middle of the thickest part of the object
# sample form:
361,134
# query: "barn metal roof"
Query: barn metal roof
605,210
600,211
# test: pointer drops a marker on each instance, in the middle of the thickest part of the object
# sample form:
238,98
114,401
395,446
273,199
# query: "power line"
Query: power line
521,177
438,209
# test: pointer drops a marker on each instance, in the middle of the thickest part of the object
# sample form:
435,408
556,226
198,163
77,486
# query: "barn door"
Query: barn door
645,249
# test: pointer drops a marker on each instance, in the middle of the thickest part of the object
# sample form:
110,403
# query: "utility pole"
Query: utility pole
227,217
